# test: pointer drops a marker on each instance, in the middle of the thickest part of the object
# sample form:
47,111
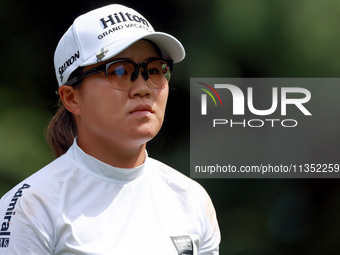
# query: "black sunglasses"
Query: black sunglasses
121,72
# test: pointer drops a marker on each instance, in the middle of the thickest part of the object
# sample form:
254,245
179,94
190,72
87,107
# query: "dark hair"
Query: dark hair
62,128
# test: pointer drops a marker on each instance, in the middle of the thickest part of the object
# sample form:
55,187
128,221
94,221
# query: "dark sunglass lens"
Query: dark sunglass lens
120,74
159,72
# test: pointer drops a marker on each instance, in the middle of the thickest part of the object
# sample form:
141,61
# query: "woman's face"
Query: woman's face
121,117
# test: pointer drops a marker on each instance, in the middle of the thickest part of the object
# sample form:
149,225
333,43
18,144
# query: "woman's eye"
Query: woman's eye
154,71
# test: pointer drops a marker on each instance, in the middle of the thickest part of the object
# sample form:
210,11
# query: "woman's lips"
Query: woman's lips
142,110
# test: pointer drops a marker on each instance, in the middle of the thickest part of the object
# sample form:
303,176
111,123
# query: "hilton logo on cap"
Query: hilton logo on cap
122,18
116,22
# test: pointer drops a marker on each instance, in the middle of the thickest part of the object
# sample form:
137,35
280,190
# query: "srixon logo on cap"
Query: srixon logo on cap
183,245
68,63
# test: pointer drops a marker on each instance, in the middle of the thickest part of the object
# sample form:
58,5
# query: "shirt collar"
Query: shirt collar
102,170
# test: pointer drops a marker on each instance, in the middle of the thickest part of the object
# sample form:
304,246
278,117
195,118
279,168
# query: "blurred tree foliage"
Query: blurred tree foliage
223,38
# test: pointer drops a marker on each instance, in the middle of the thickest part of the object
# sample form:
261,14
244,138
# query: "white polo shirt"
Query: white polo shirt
80,205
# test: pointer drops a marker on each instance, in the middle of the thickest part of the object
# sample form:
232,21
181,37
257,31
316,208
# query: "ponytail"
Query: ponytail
61,131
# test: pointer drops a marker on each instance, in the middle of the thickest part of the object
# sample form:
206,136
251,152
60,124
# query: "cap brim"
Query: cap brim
169,46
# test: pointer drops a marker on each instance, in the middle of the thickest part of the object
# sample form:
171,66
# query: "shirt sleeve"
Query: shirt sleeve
210,232
26,223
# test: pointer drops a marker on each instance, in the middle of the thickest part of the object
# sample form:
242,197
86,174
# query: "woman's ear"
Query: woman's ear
69,96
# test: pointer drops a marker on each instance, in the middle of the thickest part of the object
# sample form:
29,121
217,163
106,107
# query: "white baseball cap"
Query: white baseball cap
105,32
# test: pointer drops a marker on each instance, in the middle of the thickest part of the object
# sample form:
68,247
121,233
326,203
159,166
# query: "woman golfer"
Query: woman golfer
103,194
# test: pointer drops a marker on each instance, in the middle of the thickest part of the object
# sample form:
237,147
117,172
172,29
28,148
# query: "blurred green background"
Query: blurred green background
223,38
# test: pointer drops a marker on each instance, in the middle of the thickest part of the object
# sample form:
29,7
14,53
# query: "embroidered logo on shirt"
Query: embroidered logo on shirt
183,245
6,224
